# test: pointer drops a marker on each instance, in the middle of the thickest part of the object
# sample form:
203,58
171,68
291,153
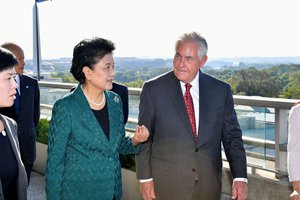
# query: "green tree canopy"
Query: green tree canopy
292,89
253,82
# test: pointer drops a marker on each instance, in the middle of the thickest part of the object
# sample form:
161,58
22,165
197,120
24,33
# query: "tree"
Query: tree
252,82
292,89
136,84
68,78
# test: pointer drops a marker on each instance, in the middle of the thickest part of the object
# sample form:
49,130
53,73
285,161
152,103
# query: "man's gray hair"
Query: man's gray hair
197,38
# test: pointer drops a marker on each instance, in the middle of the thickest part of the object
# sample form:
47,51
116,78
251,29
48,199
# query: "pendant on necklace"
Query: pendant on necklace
3,133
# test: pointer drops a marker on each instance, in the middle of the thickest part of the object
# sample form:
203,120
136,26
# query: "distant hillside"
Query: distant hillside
257,62
217,63
132,62
63,64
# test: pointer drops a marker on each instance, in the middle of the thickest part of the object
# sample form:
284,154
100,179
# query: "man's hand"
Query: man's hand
147,190
239,190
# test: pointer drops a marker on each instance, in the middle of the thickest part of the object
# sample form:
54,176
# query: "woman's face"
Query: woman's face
8,87
102,76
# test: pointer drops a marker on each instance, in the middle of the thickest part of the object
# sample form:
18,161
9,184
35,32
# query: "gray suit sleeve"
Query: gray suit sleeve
146,117
232,140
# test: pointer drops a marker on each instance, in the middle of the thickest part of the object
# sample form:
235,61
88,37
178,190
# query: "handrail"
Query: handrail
238,99
264,101
68,86
281,106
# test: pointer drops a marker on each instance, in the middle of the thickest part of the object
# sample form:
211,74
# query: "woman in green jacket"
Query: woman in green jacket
87,131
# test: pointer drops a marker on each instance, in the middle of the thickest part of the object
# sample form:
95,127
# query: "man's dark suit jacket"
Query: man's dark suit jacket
28,117
171,156
122,91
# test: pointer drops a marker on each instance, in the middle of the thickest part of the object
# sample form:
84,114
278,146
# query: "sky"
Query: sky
149,29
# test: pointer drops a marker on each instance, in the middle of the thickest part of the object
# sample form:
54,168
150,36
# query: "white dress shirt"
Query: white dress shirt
195,95
17,79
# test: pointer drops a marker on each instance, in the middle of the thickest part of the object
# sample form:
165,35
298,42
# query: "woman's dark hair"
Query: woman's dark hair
7,59
87,53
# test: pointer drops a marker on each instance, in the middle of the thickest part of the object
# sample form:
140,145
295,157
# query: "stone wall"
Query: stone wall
260,188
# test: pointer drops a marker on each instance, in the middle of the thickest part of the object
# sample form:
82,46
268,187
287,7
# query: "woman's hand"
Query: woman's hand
141,135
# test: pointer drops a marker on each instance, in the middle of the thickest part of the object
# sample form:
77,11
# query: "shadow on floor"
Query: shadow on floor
36,189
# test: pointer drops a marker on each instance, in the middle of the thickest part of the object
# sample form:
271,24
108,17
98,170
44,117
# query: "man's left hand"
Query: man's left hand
239,190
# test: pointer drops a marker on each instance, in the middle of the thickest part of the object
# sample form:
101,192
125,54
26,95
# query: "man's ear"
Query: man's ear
203,61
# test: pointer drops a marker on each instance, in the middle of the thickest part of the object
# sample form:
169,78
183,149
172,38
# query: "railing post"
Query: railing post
281,138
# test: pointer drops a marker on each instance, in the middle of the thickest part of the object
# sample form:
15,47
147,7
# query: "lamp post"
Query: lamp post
36,41
37,61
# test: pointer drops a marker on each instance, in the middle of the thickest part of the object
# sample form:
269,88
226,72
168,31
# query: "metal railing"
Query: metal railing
281,109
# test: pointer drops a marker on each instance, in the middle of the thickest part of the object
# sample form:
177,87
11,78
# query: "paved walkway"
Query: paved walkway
36,189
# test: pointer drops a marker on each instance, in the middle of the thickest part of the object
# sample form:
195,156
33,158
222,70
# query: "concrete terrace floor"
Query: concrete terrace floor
36,189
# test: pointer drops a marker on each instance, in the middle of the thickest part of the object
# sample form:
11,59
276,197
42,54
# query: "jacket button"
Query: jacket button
196,150
193,170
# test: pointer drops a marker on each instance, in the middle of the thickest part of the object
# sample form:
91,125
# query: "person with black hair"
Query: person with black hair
87,130
13,179
26,108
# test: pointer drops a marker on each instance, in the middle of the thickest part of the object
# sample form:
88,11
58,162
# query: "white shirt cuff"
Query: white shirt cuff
241,179
236,179
146,180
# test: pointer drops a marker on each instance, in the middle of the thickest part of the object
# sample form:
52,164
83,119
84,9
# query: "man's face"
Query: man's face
187,62
18,52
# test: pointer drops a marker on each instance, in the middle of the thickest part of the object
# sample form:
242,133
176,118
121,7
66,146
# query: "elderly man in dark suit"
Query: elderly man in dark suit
26,109
189,114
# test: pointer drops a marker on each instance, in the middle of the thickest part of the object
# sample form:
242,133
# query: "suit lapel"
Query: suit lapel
88,119
176,96
23,87
114,131
203,101
14,143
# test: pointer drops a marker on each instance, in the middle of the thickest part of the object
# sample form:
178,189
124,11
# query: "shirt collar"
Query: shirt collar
194,83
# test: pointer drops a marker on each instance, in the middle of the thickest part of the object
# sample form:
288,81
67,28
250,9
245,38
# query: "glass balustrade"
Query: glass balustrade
263,122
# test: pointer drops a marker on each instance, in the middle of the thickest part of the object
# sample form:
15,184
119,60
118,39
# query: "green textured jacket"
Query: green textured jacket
82,163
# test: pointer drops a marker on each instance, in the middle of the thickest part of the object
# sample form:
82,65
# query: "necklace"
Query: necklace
3,133
3,130
94,103
97,104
